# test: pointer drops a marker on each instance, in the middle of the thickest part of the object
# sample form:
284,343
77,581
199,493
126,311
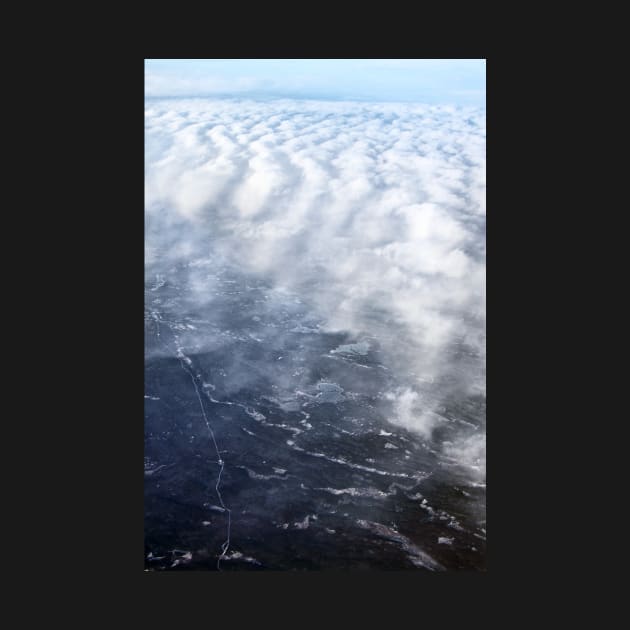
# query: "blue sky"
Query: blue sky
434,81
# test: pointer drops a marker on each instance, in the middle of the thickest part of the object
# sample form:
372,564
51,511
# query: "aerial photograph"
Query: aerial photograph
315,315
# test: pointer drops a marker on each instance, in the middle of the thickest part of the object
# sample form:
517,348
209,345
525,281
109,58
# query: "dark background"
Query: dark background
87,503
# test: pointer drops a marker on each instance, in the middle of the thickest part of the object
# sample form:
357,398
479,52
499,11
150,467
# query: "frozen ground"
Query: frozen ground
314,337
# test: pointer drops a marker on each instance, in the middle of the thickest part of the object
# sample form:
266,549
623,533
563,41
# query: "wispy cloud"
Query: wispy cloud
370,206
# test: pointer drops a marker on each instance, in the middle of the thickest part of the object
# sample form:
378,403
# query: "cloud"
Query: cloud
409,412
470,451
358,207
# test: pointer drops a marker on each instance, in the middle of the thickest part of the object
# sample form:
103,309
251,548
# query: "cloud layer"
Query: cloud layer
375,213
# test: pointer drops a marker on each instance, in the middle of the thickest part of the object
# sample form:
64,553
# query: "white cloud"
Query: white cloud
409,412
470,451
382,204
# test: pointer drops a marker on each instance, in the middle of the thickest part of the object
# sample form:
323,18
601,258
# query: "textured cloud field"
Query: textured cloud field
374,214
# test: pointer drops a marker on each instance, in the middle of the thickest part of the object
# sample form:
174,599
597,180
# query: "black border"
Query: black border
405,579
103,384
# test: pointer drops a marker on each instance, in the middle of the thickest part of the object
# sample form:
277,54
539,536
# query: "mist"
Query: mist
285,235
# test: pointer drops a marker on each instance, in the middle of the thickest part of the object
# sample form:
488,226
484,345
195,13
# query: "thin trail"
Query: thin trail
225,546
186,363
